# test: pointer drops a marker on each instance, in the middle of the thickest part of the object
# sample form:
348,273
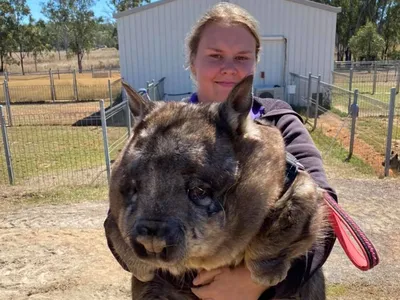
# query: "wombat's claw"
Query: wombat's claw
268,280
269,274
145,276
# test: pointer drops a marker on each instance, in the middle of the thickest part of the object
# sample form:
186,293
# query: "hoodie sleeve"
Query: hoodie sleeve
299,143
298,140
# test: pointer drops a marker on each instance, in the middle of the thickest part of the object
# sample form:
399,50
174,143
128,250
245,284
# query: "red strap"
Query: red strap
365,256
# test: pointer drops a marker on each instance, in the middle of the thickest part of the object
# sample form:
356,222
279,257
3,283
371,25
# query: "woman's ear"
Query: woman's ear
192,69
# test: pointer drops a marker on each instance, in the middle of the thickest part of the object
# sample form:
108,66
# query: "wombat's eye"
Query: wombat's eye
129,189
199,196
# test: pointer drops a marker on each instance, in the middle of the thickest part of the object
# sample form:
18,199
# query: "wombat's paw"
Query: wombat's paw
268,272
145,275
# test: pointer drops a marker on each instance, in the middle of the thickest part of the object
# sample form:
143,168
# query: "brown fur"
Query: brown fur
163,229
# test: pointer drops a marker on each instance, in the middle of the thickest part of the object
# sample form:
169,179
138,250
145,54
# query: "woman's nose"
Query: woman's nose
229,67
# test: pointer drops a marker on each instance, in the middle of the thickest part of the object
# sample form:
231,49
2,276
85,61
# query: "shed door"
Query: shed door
272,62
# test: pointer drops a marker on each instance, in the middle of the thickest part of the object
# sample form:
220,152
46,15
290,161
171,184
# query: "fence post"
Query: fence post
105,139
128,117
91,67
354,115
7,151
398,79
52,91
390,130
317,103
350,89
109,72
53,86
309,94
110,92
8,103
75,85
374,83
6,75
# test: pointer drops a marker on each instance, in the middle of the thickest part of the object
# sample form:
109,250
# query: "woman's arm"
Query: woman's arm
300,144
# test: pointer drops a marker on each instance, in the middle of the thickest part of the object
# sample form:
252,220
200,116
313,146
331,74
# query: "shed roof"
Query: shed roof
162,2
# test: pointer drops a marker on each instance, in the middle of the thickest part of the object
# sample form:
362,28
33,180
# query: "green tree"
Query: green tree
38,40
56,38
78,23
105,35
390,27
121,5
19,13
366,44
6,40
346,24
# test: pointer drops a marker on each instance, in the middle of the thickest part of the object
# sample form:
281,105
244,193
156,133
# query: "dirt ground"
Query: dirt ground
60,252
331,126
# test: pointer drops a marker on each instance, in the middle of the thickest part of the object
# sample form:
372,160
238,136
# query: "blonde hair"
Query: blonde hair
226,14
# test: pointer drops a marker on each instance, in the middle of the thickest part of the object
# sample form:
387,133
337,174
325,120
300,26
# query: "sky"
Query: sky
101,9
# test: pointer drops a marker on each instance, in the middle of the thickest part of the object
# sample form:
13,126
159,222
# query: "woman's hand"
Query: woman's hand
226,283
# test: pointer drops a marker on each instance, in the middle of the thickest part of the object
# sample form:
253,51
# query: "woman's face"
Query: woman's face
225,55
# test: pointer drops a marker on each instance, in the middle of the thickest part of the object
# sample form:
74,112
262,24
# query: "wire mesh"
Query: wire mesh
59,87
3,164
374,81
330,123
118,128
56,145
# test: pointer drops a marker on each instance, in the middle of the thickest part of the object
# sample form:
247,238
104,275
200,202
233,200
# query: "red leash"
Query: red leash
362,252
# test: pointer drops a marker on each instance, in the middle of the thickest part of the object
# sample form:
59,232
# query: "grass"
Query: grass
336,290
33,88
53,155
334,156
101,58
364,83
353,291
15,196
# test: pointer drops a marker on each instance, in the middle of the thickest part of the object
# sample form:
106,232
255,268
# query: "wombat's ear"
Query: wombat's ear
138,105
238,104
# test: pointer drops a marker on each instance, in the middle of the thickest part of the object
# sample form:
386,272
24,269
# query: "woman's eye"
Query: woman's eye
242,58
199,196
216,56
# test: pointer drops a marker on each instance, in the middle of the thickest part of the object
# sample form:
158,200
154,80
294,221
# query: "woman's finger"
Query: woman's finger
205,277
203,292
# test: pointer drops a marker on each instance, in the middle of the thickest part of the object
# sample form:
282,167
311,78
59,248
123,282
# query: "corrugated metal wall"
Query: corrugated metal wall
152,44
310,33
152,41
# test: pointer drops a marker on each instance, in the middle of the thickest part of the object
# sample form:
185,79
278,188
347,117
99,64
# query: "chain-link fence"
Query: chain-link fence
353,125
58,93
375,78
61,144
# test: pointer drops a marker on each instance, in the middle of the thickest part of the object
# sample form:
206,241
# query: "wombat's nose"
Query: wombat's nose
151,228
155,239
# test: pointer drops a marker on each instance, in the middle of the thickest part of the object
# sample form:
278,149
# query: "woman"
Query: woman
223,47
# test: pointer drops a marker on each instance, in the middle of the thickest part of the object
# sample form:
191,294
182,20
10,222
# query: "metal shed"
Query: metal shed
297,36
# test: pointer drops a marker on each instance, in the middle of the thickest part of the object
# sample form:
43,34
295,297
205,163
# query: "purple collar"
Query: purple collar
256,111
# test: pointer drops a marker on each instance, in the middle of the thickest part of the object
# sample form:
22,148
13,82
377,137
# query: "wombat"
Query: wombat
394,163
201,186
